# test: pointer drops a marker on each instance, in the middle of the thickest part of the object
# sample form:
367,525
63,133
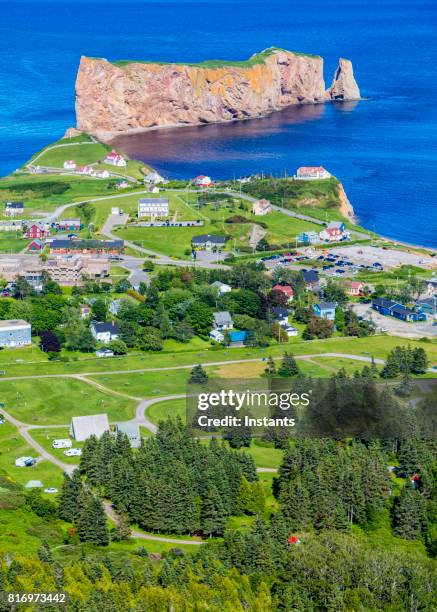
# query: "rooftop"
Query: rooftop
11,323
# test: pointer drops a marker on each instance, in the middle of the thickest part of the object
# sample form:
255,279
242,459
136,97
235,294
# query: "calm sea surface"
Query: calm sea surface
384,149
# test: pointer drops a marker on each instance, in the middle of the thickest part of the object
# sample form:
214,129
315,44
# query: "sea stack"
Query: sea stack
130,96
344,87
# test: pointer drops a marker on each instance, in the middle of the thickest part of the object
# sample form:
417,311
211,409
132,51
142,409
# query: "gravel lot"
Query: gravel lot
395,327
390,258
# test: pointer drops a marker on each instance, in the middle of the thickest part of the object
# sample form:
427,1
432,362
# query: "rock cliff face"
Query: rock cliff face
131,96
344,86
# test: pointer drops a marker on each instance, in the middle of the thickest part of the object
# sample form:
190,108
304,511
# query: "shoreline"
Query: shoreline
110,137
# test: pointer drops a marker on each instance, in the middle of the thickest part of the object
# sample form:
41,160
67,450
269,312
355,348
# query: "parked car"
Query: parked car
51,490
73,452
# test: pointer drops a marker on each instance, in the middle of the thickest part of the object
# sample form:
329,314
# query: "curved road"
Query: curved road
140,418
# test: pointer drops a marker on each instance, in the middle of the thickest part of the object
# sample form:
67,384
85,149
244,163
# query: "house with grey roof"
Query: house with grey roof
82,427
208,242
223,320
132,431
105,332
221,287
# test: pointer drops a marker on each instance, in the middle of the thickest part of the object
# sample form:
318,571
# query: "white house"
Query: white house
103,174
203,181
14,208
104,352
289,330
115,159
122,185
105,332
69,164
153,207
222,288
310,173
84,170
154,178
223,320
334,232
261,207
82,427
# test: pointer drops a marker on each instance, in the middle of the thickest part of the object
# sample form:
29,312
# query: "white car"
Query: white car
51,490
73,452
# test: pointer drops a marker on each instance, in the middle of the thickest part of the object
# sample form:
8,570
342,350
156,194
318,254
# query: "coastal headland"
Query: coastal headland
130,96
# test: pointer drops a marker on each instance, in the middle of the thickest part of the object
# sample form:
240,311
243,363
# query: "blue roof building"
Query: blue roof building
237,338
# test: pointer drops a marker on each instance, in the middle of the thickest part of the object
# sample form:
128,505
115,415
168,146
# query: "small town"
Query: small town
129,294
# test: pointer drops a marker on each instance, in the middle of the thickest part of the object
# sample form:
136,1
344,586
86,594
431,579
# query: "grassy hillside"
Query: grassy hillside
256,58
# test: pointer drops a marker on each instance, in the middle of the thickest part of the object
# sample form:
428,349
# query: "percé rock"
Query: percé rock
132,96
344,86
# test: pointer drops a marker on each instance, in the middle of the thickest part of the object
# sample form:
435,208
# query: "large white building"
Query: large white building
82,427
14,333
153,207
308,173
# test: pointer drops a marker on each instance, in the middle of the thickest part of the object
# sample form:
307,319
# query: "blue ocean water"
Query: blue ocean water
383,149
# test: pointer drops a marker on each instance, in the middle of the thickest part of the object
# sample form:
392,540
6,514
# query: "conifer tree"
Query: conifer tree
212,514
91,522
391,367
270,369
198,376
409,513
69,498
288,367
419,361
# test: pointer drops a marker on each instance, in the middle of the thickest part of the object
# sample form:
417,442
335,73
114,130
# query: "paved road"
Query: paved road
189,366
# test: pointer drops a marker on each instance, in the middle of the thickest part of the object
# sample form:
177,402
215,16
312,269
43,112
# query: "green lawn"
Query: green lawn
147,384
12,242
54,402
45,437
163,410
83,153
35,362
12,446
264,454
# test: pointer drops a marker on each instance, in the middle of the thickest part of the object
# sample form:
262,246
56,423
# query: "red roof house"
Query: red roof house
35,246
37,230
355,288
286,290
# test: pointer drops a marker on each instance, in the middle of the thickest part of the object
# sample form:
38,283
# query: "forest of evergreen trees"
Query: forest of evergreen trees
173,484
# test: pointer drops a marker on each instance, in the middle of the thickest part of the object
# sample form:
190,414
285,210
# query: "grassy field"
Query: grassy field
265,455
43,193
12,242
256,58
163,410
54,402
27,362
146,384
185,206
45,437
82,153
12,446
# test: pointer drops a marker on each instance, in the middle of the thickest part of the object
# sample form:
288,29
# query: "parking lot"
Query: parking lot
395,327
389,258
